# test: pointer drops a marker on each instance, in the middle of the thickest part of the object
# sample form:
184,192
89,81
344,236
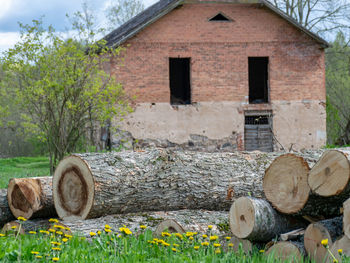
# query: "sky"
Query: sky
54,12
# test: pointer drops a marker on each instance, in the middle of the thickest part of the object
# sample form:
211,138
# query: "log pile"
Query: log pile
286,203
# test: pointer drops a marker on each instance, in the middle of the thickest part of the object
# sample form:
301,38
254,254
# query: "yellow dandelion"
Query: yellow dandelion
261,251
98,232
52,230
34,252
173,249
2,235
166,234
230,245
55,259
228,238
217,251
143,226
58,226
340,251
53,220
335,260
191,238
204,236
21,218
210,227
178,235
32,232
189,234
38,256
127,231
44,232
67,228
196,247
107,227
212,238
64,240
324,242
13,227
56,248
108,230
92,234
165,243
217,245
59,232
205,244
175,245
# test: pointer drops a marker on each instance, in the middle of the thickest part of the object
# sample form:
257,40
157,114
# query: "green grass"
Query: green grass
22,167
118,246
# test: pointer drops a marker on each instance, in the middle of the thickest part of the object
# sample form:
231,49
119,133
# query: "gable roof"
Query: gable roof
163,7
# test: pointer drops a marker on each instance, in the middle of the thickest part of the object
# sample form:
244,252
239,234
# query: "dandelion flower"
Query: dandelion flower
178,235
228,238
324,242
13,227
59,232
335,260
2,235
143,226
68,236
191,238
92,234
340,251
98,232
196,247
230,245
56,248
204,236
21,218
212,238
44,232
64,240
108,230
52,230
32,232
107,227
34,252
189,234
210,227
173,249
205,244
217,251
55,259
38,256
165,243
261,251
217,245
175,245
53,220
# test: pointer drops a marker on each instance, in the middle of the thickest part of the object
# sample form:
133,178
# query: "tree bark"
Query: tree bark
5,212
287,251
92,185
346,218
256,220
329,229
342,243
31,197
197,220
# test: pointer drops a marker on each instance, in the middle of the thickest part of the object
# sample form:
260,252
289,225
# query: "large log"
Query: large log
92,185
329,229
193,220
31,197
342,243
256,220
346,218
5,212
287,251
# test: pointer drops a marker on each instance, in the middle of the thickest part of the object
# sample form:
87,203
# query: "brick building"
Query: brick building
235,74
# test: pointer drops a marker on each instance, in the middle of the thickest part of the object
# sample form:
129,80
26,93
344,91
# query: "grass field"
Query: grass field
22,167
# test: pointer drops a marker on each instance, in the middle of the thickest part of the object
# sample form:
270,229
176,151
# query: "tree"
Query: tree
120,11
319,16
62,87
338,91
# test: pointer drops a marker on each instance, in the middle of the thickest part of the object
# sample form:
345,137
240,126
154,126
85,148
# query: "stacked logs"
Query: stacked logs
270,196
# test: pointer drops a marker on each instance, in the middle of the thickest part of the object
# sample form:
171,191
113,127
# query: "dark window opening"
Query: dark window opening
180,88
257,120
220,17
258,79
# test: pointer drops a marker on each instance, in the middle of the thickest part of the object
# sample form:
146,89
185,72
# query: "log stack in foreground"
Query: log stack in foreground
5,212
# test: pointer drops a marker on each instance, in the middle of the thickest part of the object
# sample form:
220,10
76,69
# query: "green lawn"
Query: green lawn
22,167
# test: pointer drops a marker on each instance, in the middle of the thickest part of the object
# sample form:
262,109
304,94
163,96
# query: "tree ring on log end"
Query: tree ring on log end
285,183
331,174
170,226
23,197
73,188
313,236
242,217
285,251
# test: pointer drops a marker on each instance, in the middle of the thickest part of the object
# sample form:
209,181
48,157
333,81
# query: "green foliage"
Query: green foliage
61,86
22,167
338,91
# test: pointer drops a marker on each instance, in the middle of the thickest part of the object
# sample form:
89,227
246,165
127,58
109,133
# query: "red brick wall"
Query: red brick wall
219,54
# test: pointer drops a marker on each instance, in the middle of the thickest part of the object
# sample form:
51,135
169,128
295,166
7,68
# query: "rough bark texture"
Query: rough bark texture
256,220
346,218
5,212
155,180
329,229
193,220
288,251
342,243
31,197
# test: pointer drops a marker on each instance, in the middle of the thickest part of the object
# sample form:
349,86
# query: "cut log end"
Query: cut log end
73,188
285,183
23,197
314,234
331,174
286,251
13,226
170,226
346,218
241,217
343,244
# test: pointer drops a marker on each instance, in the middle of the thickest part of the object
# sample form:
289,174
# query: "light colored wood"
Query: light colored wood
287,251
92,185
285,183
14,227
342,243
329,229
31,197
5,212
256,220
346,218
292,235
245,244
331,174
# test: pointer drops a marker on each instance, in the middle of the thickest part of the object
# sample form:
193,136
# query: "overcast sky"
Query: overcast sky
54,12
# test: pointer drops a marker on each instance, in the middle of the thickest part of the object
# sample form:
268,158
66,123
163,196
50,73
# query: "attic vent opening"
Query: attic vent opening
219,18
